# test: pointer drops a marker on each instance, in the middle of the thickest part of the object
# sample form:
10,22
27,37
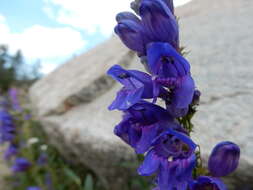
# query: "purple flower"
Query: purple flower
42,160
224,159
13,93
149,128
142,123
137,86
131,32
11,151
7,128
196,97
21,165
206,183
173,158
33,188
160,25
165,62
169,69
157,24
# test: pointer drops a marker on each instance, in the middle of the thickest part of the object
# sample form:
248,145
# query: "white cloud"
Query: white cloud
4,29
40,42
90,15
44,43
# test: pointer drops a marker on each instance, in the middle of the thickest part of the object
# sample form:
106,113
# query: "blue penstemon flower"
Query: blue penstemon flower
169,69
7,127
157,24
11,151
136,86
20,165
162,134
172,157
142,123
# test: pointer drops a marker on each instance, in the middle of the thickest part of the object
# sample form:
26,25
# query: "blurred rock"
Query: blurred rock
72,101
80,80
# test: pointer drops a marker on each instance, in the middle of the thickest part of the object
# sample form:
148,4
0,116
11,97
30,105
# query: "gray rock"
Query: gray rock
81,79
220,43
72,102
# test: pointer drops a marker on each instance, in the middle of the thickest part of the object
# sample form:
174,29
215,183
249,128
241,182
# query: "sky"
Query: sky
53,31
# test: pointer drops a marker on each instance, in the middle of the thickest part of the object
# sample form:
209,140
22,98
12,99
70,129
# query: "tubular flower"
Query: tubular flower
130,31
20,165
43,159
13,94
157,24
11,151
169,69
137,85
224,159
142,123
172,158
7,127
196,97
207,183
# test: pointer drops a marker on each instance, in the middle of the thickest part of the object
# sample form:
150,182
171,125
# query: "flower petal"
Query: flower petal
127,16
148,134
204,182
156,51
163,176
126,99
131,34
150,164
183,94
137,85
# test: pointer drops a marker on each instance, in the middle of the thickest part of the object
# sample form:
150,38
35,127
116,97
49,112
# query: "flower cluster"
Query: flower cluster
162,132
9,134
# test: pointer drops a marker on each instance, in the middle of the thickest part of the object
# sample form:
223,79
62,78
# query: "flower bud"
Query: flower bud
196,97
159,22
130,33
20,165
224,159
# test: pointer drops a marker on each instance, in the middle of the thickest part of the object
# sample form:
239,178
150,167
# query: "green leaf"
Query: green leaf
72,176
88,184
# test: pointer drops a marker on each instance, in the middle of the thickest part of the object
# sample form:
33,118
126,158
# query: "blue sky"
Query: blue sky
52,31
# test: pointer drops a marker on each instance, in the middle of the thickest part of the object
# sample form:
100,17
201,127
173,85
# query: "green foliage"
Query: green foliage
7,68
13,70
57,173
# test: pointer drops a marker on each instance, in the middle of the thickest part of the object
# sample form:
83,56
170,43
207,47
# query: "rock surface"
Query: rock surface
71,102
220,41
80,80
